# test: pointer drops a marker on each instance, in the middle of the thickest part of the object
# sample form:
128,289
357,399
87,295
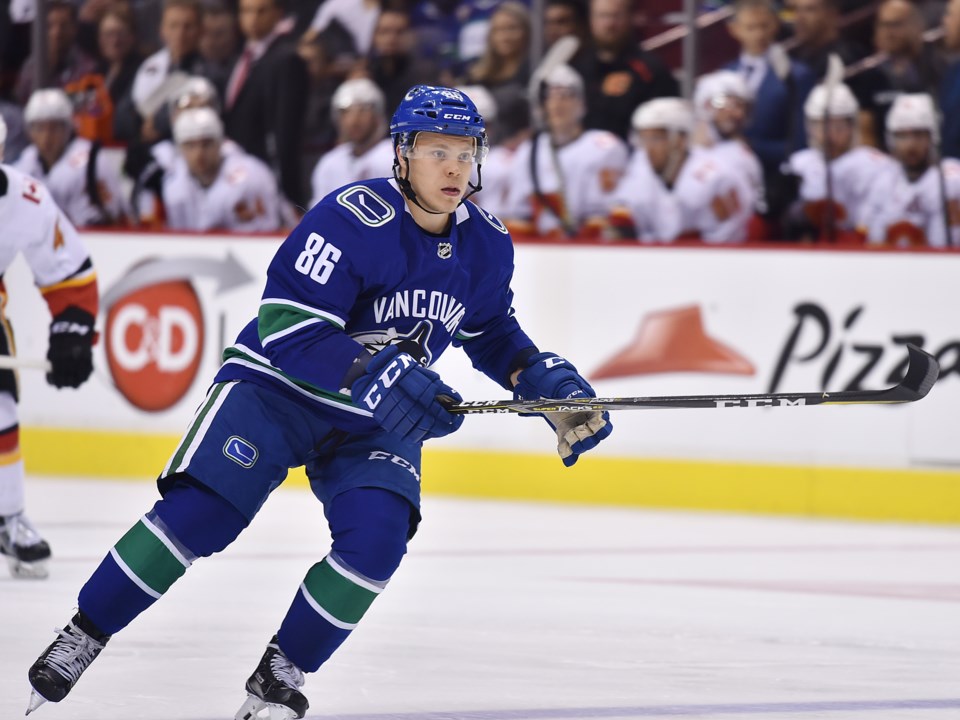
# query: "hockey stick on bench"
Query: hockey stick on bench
922,373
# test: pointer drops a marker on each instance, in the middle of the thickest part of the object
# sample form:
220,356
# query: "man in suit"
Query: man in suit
780,86
267,94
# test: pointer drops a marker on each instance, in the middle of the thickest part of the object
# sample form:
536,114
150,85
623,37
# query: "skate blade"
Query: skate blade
28,571
36,700
256,709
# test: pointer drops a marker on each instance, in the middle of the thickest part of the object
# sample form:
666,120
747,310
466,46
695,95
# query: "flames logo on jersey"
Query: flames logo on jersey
414,343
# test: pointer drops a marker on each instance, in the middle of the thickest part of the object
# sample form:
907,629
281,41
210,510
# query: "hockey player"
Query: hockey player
674,190
835,172
722,103
212,190
364,150
80,178
409,268
34,225
563,177
918,202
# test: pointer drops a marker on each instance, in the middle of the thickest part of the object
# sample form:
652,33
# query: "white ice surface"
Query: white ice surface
512,611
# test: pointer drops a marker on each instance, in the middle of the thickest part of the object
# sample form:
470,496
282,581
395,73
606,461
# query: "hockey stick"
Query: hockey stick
922,373
12,362
833,77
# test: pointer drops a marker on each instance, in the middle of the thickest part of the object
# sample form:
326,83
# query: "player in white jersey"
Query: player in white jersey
722,102
832,192
212,190
917,203
498,170
79,177
364,149
673,190
563,177
34,225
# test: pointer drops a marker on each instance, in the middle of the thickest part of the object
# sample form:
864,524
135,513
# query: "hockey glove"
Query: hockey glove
550,376
402,395
71,348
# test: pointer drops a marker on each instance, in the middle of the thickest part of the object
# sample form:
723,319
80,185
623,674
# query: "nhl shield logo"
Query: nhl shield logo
445,251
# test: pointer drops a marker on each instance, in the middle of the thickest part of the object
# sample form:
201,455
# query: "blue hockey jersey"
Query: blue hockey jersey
358,271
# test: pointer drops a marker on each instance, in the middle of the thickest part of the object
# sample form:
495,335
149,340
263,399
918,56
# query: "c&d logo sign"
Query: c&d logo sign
155,327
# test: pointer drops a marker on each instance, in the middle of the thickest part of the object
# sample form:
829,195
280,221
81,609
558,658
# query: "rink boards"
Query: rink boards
635,320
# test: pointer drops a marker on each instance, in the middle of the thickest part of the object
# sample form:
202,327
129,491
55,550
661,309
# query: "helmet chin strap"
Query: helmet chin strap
406,187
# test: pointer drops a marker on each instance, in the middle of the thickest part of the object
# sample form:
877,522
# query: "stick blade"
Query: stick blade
922,374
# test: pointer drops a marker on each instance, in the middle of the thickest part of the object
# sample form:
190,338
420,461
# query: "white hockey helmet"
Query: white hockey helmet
359,91
197,88
842,102
197,124
723,83
914,111
485,102
564,76
665,113
48,104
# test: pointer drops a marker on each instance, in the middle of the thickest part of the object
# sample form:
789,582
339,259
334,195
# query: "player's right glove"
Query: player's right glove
550,376
71,348
403,397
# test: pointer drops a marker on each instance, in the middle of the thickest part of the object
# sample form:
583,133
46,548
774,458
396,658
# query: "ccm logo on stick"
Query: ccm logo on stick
762,402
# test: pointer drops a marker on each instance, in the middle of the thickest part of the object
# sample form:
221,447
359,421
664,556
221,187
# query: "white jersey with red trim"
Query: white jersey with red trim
851,176
736,155
575,182
67,182
340,166
906,213
34,225
243,198
497,177
707,201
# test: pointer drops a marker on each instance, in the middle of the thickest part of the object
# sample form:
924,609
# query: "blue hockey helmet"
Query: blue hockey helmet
443,110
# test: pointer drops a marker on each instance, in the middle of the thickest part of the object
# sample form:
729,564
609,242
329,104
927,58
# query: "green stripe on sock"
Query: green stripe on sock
149,559
344,600
192,432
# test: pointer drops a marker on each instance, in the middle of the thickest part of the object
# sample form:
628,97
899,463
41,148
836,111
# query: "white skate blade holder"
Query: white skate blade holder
256,709
36,700
28,570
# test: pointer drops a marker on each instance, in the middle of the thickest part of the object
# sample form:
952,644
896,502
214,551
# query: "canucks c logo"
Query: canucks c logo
240,451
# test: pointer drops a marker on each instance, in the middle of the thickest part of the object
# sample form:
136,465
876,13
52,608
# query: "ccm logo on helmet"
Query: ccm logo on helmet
454,116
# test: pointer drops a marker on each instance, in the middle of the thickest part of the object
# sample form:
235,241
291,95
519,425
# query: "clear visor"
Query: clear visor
474,156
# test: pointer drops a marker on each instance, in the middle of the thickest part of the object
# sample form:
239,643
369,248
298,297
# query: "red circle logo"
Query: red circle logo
154,341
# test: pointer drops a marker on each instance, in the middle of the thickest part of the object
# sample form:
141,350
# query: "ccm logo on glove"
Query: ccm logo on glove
387,379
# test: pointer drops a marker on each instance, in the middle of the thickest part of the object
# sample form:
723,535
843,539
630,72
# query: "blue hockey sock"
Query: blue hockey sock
370,527
189,522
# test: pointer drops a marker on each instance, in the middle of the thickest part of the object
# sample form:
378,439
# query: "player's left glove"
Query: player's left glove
550,376
71,348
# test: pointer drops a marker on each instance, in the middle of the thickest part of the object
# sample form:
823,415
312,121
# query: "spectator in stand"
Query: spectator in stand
911,65
319,128
562,18
722,102
364,150
563,177
66,62
504,67
816,26
81,180
917,205
266,95
775,128
393,63
145,117
835,171
219,44
214,190
357,17
452,33
120,59
950,86
618,75
673,190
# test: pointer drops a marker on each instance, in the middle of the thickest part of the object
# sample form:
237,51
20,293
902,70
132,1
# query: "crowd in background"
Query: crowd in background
238,115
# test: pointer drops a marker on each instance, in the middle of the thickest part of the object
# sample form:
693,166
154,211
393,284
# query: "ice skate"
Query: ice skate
274,689
57,670
26,552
